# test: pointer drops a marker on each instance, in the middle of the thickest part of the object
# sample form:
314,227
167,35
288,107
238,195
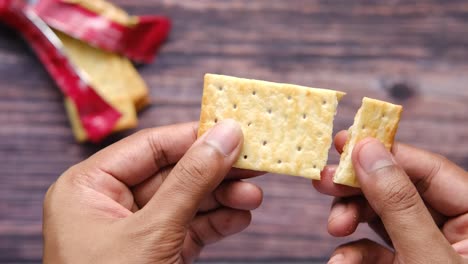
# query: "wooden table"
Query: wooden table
410,52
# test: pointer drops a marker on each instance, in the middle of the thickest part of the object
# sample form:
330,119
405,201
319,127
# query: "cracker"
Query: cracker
375,119
113,76
287,128
126,108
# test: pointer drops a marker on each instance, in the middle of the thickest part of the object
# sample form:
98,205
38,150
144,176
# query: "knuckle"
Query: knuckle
192,172
398,195
196,237
48,196
198,167
217,229
423,184
156,144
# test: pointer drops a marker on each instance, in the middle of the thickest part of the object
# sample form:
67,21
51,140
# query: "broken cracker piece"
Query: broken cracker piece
375,119
287,128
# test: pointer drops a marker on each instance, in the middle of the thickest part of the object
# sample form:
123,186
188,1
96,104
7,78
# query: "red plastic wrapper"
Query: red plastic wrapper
97,116
139,42
3,6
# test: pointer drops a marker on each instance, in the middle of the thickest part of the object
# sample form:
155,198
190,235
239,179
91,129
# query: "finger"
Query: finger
375,223
144,191
346,214
100,182
340,140
378,227
239,174
236,195
239,195
196,175
429,172
115,190
440,182
328,187
211,228
361,251
137,157
394,198
462,248
343,219
456,229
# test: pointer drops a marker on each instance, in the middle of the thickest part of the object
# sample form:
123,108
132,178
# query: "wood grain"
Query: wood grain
409,52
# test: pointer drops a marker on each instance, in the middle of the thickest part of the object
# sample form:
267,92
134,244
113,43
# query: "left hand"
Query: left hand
158,196
415,200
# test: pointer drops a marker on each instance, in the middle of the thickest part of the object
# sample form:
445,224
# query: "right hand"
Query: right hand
417,203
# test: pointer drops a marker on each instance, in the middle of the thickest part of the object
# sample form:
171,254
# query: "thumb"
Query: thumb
395,199
198,173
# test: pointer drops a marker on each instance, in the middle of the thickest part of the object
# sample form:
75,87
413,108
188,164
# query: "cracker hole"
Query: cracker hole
265,143
234,106
216,120
220,88
315,166
254,92
289,97
304,116
363,127
299,148
324,102
249,124
246,157
280,161
269,111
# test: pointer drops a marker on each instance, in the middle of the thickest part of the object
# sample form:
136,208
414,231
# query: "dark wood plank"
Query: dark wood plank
409,52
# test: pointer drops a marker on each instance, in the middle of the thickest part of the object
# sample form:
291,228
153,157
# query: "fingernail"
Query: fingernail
336,259
374,156
225,136
337,210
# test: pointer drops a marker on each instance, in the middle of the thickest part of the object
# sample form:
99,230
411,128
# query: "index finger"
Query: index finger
139,156
439,181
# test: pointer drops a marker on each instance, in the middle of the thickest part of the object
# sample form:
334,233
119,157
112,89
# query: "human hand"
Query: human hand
415,200
158,196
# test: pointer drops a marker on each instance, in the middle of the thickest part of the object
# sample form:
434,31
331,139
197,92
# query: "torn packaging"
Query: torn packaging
128,119
113,77
287,128
106,26
107,10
